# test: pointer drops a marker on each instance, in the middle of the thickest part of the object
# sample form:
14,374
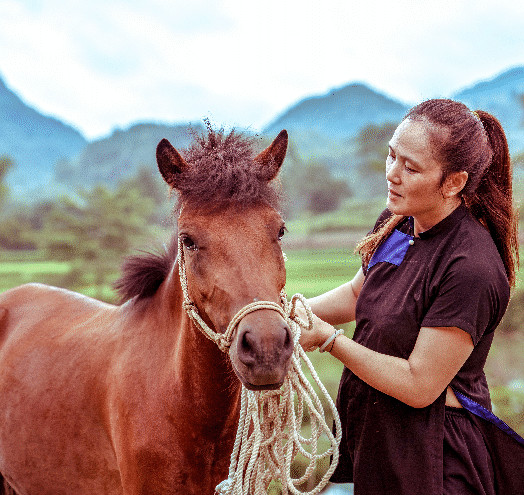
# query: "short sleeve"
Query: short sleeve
472,296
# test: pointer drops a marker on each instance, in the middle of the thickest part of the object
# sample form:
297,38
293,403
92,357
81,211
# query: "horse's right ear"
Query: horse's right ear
169,161
272,157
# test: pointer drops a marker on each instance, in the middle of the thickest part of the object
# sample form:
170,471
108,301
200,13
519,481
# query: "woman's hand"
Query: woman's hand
314,338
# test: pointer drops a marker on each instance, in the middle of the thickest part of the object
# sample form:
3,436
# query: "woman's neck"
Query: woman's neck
424,223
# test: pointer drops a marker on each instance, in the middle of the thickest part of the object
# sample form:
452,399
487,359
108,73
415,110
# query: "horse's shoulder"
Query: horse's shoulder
22,292
37,293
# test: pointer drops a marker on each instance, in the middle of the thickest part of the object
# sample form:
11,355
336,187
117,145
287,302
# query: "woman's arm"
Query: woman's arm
338,305
438,355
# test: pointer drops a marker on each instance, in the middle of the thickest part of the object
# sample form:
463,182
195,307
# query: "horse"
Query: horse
131,398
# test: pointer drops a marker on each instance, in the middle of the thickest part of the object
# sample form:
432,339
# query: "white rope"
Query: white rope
269,434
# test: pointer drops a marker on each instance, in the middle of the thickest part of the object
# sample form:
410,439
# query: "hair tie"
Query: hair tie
476,115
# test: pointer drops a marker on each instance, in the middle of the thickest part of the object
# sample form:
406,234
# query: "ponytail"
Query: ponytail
492,201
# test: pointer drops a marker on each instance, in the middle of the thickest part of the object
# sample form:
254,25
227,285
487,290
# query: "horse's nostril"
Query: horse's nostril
247,353
288,341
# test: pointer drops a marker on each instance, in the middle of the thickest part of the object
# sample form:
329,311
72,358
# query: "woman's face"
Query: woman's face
414,176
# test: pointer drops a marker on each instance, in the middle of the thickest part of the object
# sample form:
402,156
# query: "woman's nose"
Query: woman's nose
392,171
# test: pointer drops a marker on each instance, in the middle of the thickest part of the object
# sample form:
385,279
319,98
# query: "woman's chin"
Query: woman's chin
393,206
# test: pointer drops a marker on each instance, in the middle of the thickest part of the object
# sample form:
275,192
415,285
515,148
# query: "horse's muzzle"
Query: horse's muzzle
261,350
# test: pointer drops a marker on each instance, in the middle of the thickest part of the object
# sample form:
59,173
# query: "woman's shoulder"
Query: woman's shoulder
476,253
475,237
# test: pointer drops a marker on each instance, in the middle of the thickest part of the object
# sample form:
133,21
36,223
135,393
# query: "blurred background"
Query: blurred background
87,89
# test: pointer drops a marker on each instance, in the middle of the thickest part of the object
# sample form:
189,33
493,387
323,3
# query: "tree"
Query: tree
16,232
150,185
6,163
97,230
311,186
14,228
372,145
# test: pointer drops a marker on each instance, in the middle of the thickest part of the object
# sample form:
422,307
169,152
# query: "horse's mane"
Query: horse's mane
143,273
220,173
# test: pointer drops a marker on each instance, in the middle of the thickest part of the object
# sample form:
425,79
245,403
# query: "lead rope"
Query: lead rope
269,434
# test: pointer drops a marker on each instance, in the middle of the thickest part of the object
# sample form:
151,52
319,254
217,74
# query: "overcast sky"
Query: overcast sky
102,64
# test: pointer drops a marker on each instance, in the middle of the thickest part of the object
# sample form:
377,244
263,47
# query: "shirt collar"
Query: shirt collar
446,224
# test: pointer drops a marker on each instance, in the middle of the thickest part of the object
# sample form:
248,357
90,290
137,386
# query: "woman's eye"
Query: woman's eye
410,170
188,243
281,232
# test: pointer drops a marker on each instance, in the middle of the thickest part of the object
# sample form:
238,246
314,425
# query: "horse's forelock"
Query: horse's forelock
221,171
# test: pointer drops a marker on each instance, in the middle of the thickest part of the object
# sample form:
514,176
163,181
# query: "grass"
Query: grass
312,272
13,273
354,216
309,272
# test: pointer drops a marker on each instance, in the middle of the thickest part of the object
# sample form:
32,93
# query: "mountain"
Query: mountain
51,156
35,142
340,113
121,154
502,96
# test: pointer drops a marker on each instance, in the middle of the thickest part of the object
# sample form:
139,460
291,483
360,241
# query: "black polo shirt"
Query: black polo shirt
450,276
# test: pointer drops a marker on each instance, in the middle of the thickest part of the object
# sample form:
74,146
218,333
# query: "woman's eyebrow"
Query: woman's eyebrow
403,157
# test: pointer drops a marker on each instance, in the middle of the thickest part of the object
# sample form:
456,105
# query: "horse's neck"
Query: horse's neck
200,367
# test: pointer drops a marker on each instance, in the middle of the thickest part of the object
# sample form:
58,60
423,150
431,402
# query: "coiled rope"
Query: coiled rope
269,434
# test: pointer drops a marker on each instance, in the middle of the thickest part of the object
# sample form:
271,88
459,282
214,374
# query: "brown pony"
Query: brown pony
134,399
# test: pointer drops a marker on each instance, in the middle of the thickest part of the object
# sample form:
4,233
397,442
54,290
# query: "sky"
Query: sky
105,64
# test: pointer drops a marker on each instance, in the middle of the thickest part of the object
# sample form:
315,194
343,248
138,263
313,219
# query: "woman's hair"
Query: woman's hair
474,142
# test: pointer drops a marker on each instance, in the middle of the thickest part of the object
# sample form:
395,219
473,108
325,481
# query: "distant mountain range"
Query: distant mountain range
121,154
340,113
51,156
35,142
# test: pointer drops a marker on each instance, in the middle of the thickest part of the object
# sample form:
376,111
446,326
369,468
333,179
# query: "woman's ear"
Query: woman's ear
454,184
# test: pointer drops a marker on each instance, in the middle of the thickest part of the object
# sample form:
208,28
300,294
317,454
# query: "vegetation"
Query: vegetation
6,164
372,141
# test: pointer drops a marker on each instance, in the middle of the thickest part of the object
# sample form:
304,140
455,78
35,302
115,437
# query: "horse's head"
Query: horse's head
230,232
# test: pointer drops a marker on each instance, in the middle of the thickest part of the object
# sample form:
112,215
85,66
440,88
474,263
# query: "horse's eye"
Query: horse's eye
281,232
189,243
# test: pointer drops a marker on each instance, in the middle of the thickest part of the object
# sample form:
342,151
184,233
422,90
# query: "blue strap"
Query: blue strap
392,250
484,413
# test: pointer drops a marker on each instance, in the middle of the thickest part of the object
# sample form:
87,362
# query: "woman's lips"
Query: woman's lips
393,194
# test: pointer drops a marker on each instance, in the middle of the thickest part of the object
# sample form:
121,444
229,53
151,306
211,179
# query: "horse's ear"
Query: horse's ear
169,161
272,157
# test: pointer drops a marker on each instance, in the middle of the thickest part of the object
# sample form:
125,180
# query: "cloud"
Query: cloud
103,64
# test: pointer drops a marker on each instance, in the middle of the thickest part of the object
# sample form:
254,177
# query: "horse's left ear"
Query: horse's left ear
169,161
272,157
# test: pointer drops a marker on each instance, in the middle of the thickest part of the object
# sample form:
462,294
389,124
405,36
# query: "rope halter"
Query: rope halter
269,434
223,340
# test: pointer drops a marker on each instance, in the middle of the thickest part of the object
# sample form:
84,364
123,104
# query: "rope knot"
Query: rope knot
189,306
223,342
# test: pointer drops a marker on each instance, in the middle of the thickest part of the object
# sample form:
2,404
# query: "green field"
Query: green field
309,272
312,272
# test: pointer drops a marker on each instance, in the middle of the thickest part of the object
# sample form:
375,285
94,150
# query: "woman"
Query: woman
434,284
